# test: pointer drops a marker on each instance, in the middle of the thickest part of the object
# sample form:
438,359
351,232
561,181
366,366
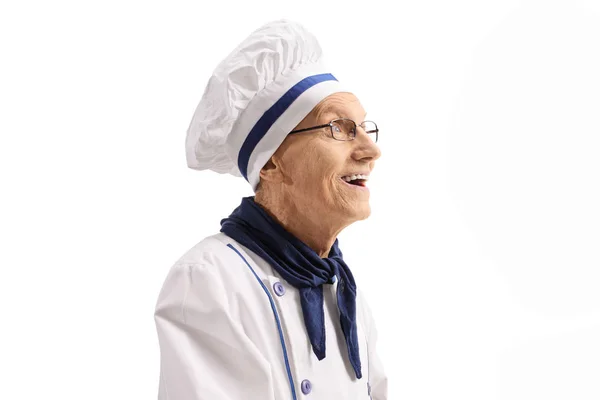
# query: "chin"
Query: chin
365,211
361,211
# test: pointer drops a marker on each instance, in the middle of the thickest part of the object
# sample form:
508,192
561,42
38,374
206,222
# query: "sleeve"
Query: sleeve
377,378
204,352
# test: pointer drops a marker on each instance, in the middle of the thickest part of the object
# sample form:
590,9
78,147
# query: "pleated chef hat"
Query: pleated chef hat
255,97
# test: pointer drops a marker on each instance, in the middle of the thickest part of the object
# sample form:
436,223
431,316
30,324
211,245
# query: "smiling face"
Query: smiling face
312,165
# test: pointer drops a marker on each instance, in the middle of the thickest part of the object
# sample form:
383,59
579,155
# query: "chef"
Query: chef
267,308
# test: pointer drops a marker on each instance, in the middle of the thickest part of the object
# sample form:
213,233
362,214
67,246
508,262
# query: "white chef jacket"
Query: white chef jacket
230,328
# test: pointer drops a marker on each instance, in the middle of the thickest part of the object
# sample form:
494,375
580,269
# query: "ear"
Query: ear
271,171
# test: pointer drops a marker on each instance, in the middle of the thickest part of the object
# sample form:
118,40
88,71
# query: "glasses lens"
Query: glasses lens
343,129
371,129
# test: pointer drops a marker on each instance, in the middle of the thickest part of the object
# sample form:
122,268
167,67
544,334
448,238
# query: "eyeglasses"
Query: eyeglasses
345,129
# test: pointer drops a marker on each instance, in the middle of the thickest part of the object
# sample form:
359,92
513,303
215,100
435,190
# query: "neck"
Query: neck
317,231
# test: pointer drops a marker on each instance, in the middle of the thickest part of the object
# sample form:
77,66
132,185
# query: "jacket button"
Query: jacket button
306,386
279,289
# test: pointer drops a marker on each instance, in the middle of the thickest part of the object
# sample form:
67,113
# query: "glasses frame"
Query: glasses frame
330,125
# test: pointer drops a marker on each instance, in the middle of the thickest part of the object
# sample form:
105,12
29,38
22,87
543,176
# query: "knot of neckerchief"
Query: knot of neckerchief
250,225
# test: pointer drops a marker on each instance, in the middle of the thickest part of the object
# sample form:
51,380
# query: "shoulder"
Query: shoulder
222,253
205,259
210,250
216,260
217,273
203,272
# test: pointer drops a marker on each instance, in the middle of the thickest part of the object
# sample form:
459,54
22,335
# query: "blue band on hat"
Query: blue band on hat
265,122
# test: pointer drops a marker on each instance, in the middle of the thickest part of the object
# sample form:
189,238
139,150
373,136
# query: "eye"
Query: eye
343,129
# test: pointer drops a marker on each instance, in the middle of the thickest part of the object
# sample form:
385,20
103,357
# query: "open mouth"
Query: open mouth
356,180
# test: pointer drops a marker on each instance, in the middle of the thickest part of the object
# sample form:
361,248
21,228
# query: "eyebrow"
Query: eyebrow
332,108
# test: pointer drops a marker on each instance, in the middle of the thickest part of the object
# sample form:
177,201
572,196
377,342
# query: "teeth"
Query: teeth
349,178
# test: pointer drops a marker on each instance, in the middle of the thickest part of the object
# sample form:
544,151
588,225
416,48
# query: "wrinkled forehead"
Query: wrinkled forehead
342,105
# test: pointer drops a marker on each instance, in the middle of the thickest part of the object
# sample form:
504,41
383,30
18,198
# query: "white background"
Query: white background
480,260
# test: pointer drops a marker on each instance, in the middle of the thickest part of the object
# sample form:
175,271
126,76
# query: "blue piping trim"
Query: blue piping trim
267,120
285,356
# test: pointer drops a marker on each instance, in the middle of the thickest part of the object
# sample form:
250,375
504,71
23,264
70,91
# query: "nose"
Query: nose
365,148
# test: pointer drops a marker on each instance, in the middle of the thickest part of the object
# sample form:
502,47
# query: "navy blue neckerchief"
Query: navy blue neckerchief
301,267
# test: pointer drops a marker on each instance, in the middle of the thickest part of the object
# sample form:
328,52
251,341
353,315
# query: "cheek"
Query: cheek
318,176
331,185
304,169
316,170
314,165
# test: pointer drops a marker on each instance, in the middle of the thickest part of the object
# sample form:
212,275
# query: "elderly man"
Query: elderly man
267,309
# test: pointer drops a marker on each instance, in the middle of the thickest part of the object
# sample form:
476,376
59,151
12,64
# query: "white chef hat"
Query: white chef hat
255,97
